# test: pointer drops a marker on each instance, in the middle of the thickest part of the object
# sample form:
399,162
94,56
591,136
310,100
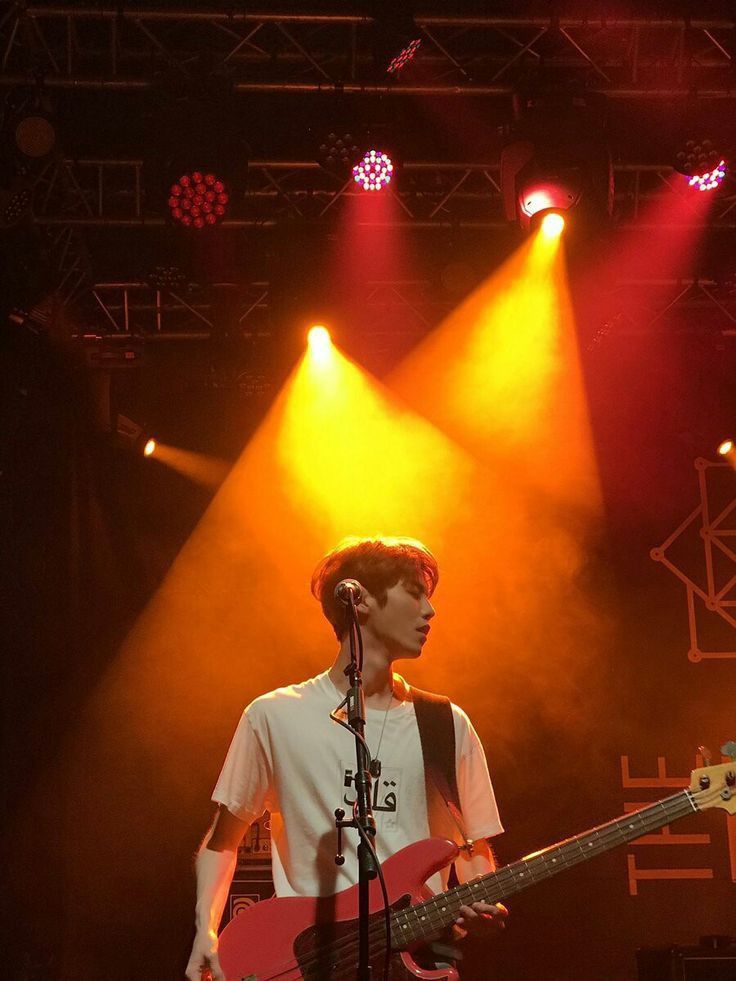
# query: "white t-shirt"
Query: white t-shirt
288,757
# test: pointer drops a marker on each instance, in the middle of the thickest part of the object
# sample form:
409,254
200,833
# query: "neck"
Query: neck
425,919
377,671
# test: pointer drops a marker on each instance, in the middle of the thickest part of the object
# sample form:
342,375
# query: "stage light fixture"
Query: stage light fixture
29,122
15,202
396,35
374,171
319,338
35,135
404,56
198,199
133,436
556,158
552,224
166,278
710,180
338,152
726,447
541,194
703,163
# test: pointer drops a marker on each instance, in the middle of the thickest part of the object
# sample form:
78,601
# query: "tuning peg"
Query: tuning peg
729,749
706,754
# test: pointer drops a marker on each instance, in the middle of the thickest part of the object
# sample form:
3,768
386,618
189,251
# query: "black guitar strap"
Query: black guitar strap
437,736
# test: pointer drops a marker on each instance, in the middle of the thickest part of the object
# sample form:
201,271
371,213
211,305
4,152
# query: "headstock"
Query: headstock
715,786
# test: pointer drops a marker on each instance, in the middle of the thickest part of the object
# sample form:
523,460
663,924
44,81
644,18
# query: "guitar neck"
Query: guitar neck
427,918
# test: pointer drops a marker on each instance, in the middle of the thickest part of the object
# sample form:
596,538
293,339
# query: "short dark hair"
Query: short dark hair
378,564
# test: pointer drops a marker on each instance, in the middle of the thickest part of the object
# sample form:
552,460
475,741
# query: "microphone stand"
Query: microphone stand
363,818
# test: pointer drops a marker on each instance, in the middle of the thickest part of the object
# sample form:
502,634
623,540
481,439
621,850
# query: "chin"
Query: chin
412,652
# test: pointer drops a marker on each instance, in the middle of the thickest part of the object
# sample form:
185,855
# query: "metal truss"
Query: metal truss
290,50
645,306
195,312
111,192
189,311
387,307
710,590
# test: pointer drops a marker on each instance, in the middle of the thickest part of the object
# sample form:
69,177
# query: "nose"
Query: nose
427,609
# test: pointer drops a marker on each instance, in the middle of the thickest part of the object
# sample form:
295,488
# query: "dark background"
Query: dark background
100,831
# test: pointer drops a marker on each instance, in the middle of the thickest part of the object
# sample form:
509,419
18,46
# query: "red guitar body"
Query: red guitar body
316,938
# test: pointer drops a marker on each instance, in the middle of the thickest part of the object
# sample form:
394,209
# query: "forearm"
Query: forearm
214,872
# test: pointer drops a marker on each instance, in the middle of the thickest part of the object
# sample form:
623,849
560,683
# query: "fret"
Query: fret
441,910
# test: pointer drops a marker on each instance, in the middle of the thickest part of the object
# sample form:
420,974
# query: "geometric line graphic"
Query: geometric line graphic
710,578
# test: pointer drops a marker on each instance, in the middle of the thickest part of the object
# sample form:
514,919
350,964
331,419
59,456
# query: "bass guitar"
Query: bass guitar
317,938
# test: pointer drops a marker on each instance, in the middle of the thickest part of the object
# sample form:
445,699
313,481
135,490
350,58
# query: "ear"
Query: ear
366,606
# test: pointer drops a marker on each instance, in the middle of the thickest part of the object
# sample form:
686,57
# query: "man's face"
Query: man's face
402,623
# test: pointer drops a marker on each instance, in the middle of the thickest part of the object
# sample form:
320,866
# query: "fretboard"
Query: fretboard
429,917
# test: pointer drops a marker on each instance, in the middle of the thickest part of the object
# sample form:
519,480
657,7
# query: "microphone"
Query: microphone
348,589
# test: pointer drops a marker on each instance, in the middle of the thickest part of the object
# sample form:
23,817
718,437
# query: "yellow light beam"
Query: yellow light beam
208,471
501,375
336,455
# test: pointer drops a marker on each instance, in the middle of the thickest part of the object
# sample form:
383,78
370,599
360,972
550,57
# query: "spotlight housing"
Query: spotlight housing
374,171
338,151
16,203
133,436
711,179
29,122
697,157
167,278
556,157
198,199
548,193
404,56
396,35
35,135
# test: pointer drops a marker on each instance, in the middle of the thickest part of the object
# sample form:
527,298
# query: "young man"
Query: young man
290,758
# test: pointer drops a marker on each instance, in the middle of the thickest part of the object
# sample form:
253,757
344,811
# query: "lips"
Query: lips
424,630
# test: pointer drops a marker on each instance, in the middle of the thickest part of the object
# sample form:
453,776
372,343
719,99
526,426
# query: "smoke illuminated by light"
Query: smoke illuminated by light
504,368
200,468
501,376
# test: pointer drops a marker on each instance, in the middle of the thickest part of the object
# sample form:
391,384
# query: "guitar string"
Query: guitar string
348,942
501,877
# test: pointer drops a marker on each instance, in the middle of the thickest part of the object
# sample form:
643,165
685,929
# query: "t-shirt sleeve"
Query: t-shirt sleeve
244,784
477,799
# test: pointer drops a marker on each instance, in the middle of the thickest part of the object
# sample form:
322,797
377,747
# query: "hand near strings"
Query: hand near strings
480,921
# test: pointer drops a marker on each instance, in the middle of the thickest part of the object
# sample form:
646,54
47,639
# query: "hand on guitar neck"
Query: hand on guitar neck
292,938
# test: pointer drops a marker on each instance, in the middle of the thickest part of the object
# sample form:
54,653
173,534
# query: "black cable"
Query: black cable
341,722
386,905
